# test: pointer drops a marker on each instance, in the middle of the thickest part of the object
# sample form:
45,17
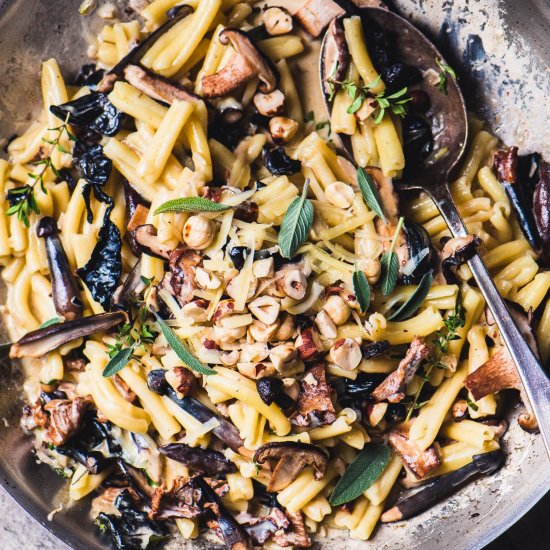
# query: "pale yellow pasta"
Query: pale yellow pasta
469,432
83,483
479,354
281,47
240,487
131,101
363,530
342,121
380,489
543,334
317,508
532,295
52,368
340,426
288,87
388,145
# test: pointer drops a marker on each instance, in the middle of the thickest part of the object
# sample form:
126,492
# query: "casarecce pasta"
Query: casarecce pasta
226,324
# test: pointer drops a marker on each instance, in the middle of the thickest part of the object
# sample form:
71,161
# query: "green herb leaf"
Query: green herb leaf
361,474
119,360
181,350
409,308
51,322
191,204
361,289
296,224
390,271
444,70
310,116
355,106
370,192
472,405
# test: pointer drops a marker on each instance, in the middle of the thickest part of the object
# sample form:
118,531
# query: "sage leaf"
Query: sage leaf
191,204
361,474
51,322
410,307
390,272
181,350
361,289
296,224
370,192
119,360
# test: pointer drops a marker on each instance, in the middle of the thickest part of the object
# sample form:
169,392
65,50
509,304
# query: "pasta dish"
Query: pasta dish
231,327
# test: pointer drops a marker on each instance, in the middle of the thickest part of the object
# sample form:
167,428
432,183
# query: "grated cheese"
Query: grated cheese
236,321
309,302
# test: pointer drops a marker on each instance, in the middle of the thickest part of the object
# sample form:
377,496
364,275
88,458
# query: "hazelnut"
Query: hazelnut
339,194
198,232
371,268
265,309
294,284
346,354
283,129
196,310
263,268
277,21
286,330
281,354
337,309
228,335
261,332
271,104
206,280
325,324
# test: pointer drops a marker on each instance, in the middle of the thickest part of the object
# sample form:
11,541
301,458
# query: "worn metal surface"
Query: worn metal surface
501,50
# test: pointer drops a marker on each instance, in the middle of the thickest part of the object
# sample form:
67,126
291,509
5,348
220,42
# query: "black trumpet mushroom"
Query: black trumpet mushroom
271,390
457,251
226,432
203,461
417,141
133,201
421,253
39,342
130,529
443,487
541,201
65,291
148,242
93,111
506,168
279,163
137,479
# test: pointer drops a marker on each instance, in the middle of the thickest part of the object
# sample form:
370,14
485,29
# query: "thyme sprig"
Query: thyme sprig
22,200
440,344
444,70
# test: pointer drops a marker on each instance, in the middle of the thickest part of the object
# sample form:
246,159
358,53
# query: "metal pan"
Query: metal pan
501,49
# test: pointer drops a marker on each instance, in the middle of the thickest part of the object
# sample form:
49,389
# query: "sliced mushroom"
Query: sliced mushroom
182,500
146,237
134,202
455,252
505,164
315,15
298,537
541,200
107,83
420,462
158,87
393,387
203,461
443,487
291,458
129,289
374,349
336,56
137,480
65,292
65,418
497,374
247,63
39,342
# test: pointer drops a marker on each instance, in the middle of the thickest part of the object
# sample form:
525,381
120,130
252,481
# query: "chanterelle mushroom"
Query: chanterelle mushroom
247,63
420,462
291,458
393,387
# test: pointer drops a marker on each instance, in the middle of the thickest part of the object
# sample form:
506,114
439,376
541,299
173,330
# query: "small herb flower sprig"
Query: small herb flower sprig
22,200
444,70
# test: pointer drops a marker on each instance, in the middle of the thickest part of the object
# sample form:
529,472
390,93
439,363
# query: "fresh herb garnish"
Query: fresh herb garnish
411,305
322,125
390,263
181,350
472,405
441,346
331,82
444,70
361,474
21,199
51,322
191,204
361,289
309,117
131,335
370,192
296,224
395,102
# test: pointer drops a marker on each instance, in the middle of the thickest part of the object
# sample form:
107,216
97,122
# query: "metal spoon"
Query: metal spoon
433,178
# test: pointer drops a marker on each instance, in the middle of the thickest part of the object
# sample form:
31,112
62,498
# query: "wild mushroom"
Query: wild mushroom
182,500
443,487
420,462
158,87
202,461
279,163
297,537
505,165
107,82
65,418
271,390
39,342
129,289
541,199
136,207
290,458
393,387
226,432
457,251
137,480
374,349
247,63
65,292
497,374
336,56
146,237
315,15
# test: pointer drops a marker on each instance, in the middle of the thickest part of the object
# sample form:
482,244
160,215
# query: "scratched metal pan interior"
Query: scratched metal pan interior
502,51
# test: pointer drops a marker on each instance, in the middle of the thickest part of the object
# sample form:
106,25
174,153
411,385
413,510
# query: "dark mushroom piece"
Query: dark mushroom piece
202,461
137,480
39,342
497,374
456,252
393,387
336,56
94,461
541,200
247,63
133,202
420,462
373,349
271,390
290,459
226,432
443,487
128,290
182,500
506,164
279,163
117,72
315,15
65,292
146,238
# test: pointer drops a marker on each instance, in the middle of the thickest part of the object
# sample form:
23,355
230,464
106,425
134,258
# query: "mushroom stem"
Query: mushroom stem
66,295
443,487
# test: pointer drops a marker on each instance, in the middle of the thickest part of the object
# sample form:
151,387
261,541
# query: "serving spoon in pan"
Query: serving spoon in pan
450,136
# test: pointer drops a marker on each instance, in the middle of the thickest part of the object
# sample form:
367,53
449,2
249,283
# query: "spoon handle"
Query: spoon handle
535,381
